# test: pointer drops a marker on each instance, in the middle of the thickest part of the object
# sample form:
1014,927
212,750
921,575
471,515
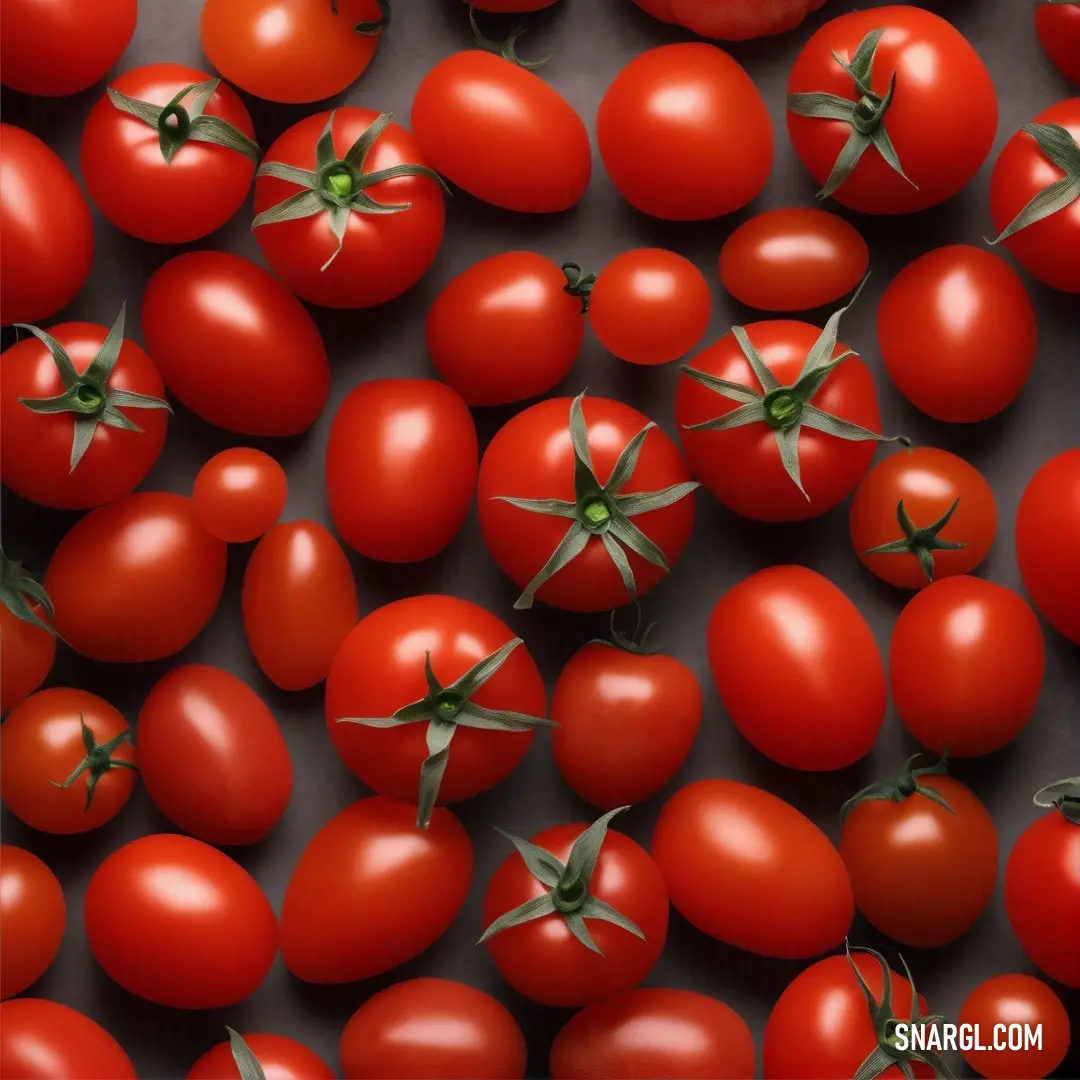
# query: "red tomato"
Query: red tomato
704,121
940,123
177,922
401,468
27,644
966,666
158,577
32,917
1057,24
1047,539
465,1035
234,346
381,255
71,738
212,757
239,494
732,22
299,602
280,1059
48,238
372,891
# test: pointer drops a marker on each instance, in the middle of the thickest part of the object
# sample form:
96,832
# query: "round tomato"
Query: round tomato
1057,24
708,133
617,478
157,578
67,764
177,922
465,1035
32,917
966,666
342,251
401,468
732,22
279,1058
372,891
234,346
27,640
239,494
212,757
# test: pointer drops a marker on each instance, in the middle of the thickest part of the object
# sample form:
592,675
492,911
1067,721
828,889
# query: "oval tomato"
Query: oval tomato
234,346
1057,24
704,121
401,468
27,643
732,22
32,918
239,494
158,577
212,757
278,1057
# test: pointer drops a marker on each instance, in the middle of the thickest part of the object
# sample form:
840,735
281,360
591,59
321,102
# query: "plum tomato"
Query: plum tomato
732,22
239,494
27,639
32,919
1057,24
277,1058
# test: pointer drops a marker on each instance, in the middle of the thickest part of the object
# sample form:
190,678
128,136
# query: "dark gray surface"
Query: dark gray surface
591,40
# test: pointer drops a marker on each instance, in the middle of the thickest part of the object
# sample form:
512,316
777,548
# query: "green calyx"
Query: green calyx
88,396
19,591
601,511
247,1064
567,887
506,49
373,27
98,761
636,642
579,283
922,543
1064,795
902,786
866,116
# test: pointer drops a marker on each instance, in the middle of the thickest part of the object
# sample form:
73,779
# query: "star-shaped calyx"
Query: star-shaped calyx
20,591
920,542
98,761
903,786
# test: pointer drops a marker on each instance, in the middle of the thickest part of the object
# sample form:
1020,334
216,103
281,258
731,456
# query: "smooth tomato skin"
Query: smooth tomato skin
239,494
372,891
401,468
720,19
711,151
212,757
32,918
26,657
281,1059
234,346
1058,30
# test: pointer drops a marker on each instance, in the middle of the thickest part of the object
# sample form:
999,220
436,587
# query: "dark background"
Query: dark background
590,40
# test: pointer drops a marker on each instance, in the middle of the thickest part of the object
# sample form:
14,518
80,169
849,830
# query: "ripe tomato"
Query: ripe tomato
32,917
212,757
921,132
27,641
177,922
372,891
465,1035
234,346
48,238
299,602
401,468
334,248
239,494
66,761
1057,24
1047,539
709,134
278,1057
966,666
158,576
732,22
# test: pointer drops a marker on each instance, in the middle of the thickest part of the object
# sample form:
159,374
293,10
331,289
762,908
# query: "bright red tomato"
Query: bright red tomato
279,1057
709,134
966,666
732,22
239,494
27,647
401,468
32,918
212,756
1057,24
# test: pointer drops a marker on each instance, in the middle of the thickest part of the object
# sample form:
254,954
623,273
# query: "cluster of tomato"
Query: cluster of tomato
433,699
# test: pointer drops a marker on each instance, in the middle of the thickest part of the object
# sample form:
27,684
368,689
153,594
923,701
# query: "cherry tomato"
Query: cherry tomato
1057,24
966,666
32,917
279,1057
732,22
704,121
177,922
239,494
157,578
212,757
27,645
401,468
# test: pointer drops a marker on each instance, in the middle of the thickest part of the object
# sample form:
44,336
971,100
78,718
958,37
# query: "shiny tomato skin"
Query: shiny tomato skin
32,918
710,152
1058,29
26,657
234,346
239,494
281,1059
212,757
729,22
401,468
966,666
372,891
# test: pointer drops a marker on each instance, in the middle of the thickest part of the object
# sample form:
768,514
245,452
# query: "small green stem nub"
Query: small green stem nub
596,512
340,184
579,283
174,122
782,408
569,896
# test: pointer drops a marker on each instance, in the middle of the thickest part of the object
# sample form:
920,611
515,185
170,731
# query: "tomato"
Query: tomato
299,602
932,107
48,238
234,346
719,19
401,468
66,761
239,494
1047,539
704,121
380,253
465,1035
32,917
155,579
966,666
27,641
278,1057
626,530
1057,24
212,757
372,891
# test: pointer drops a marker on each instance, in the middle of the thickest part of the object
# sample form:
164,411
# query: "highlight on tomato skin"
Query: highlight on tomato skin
33,914
239,494
731,22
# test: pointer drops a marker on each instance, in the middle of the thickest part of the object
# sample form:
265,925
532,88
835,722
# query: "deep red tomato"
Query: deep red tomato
234,346
32,917
212,757
27,644
732,22
704,121
48,237
177,922
372,891
1057,24
158,577
280,1059
401,468
465,1035
966,665
239,494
